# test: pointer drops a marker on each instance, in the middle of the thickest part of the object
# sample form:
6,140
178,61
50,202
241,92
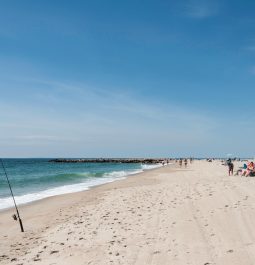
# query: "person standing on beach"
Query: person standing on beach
185,162
180,162
230,167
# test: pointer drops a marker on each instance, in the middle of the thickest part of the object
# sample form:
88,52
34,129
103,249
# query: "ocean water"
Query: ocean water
35,179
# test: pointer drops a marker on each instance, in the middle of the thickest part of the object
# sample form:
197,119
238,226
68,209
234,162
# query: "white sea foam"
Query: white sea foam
90,182
118,174
148,167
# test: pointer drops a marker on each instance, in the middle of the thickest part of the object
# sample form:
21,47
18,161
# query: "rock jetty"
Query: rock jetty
112,160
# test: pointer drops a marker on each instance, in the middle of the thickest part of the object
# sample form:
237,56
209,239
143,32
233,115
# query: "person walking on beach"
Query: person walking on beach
180,162
230,167
185,162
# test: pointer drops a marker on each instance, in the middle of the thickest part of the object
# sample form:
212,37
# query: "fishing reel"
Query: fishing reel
14,217
17,218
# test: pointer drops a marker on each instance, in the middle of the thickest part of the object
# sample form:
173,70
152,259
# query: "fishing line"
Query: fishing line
14,216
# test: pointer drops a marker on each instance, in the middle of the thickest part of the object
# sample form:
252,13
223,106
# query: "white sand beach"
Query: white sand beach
168,215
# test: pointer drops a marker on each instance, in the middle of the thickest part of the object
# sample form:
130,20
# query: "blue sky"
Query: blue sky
127,78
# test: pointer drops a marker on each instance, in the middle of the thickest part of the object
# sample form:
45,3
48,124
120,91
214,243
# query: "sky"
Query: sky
150,78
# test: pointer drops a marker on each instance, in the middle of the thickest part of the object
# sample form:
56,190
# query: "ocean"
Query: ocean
35,179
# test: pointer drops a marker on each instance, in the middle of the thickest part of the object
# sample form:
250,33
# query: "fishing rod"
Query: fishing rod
14,216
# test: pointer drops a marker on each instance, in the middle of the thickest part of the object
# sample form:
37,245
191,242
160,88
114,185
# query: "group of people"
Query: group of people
184,161
248,169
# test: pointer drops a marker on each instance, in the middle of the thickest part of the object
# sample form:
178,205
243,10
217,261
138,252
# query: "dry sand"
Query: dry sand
197,215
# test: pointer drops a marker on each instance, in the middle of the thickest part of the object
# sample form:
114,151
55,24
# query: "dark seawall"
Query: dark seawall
112,160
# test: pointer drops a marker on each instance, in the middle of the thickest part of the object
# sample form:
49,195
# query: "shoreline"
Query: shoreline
80,187
70,198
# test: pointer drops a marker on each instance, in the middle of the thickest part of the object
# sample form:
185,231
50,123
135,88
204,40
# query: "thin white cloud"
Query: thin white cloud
77,119
48,138
101,116
35,139
252,70
201,9
250,48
